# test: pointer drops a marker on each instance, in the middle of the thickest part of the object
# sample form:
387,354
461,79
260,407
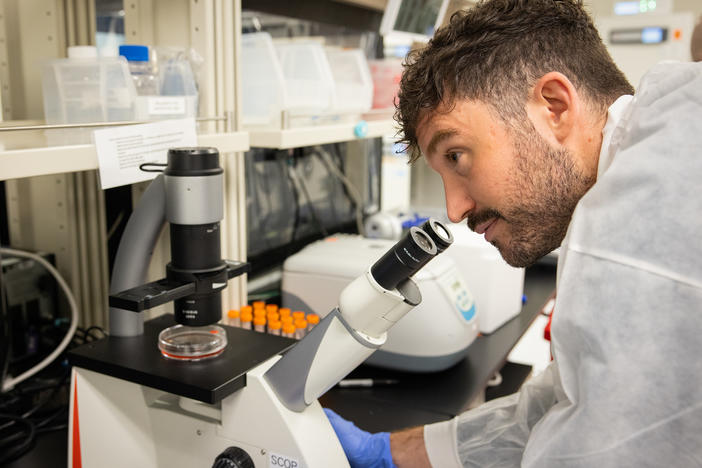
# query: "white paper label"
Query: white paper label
171,105
276,460
121,150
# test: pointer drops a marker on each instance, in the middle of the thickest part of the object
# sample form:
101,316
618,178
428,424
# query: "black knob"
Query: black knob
233,457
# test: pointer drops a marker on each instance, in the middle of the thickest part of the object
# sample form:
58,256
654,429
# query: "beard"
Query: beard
547,185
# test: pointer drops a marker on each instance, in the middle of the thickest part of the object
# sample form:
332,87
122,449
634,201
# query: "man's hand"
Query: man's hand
363,449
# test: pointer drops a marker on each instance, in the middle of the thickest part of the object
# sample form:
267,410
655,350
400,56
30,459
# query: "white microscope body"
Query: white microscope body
275,420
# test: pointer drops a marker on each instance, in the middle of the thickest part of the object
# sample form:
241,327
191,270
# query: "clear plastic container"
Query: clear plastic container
192,343
352,82
84,89
263,86
308,81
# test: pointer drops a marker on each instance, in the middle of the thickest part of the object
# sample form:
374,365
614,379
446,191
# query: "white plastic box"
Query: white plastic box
309,85
263,87
353,85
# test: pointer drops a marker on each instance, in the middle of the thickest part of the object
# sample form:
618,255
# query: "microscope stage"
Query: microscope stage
137,359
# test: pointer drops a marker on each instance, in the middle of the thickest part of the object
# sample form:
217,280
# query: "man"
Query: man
539,143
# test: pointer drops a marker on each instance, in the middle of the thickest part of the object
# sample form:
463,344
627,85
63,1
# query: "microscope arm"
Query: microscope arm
134,253
368,307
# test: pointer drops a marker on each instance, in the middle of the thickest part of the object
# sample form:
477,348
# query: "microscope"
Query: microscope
180,390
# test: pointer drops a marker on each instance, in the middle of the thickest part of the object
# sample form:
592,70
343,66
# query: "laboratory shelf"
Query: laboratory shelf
318,135
29,162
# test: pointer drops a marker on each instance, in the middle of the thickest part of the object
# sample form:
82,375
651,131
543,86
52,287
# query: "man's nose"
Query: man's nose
458,203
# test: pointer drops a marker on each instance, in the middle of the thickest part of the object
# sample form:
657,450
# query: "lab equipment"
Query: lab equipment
497,287
192,343
638,42
433,336
132,407
412,21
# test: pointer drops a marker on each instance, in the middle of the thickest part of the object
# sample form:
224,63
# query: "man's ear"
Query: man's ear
553,107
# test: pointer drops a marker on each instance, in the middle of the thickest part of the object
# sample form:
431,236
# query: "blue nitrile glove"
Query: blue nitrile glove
363,449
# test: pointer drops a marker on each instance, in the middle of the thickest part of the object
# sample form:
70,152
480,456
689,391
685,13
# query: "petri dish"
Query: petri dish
192,343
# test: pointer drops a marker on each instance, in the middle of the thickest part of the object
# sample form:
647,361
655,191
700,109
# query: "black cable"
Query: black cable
296,197
4,332
17,451
313,212
340,184
98,328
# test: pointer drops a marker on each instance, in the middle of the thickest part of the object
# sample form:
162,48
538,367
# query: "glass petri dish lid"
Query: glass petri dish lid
192,343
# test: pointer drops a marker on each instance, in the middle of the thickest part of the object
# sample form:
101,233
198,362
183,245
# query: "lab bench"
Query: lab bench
414,399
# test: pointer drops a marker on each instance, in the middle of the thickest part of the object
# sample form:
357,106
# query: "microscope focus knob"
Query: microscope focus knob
233,457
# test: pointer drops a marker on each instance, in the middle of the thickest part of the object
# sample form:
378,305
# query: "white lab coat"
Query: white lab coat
625,388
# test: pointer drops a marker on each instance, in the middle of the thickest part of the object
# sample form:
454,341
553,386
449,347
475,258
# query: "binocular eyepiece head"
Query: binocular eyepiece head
411,253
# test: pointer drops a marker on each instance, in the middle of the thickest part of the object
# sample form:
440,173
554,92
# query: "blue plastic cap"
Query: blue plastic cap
361,129
134,53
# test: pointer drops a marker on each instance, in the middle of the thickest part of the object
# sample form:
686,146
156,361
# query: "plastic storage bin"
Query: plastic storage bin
309,84
263,86
386,75
84,88
353,85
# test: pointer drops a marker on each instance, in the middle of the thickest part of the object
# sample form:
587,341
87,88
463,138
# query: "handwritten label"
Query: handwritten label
122,150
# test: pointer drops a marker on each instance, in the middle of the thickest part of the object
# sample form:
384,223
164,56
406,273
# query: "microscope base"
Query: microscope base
116,423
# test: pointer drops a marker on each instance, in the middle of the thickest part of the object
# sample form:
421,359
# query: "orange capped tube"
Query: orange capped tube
271,308
260,312
274,327
298,315
259,323
272,316
258,304
288,330
233,318
286,319
246,318
312,320
245,309
283,311
300,328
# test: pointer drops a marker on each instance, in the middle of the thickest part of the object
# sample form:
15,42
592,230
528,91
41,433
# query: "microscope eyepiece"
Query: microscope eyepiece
404,259
439,233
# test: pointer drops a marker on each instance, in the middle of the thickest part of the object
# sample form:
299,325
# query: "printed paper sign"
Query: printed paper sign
122,150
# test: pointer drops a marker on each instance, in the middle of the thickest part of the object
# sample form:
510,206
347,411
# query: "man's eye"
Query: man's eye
453,156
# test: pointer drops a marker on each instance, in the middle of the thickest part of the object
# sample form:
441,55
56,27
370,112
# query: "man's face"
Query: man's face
508,183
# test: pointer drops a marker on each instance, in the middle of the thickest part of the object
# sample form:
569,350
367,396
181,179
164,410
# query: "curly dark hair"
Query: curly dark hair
496,51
